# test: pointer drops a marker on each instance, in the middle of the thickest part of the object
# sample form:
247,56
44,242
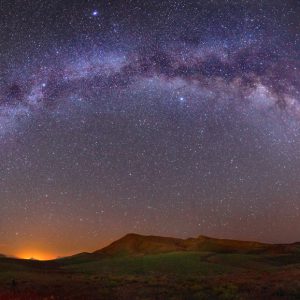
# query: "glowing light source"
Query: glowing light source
35,255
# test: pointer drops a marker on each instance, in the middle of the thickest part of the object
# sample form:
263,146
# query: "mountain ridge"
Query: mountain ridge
133,244
137,244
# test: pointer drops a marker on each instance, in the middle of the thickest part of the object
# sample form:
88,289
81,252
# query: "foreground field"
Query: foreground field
170,275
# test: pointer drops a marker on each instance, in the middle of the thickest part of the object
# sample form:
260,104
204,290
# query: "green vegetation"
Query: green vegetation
177,263
134,269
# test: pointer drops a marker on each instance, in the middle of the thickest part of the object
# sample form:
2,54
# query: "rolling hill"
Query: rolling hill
135,244
154,267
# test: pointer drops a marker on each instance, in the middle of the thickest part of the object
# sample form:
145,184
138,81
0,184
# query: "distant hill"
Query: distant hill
135,244
157,267
137,266
139,244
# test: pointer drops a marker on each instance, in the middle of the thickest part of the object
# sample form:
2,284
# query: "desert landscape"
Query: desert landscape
152,267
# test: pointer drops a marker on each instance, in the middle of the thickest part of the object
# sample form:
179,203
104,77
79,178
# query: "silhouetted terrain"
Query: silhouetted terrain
134,244
152,267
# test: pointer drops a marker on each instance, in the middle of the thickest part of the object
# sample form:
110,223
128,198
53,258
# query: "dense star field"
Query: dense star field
174,118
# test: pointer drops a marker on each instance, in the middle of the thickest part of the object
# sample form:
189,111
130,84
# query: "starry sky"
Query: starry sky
174,118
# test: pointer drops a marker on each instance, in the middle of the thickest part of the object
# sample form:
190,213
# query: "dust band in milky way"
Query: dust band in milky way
260,75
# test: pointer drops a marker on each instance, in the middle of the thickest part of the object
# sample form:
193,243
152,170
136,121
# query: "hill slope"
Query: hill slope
135,244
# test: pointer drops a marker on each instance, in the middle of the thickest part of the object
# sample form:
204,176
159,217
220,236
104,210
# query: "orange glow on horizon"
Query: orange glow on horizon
36,255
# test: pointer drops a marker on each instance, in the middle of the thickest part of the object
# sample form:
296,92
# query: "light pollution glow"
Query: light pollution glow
35,254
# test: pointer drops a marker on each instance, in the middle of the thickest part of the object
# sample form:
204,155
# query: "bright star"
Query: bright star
95,13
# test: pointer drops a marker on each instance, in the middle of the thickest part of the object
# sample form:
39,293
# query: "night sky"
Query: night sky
173,118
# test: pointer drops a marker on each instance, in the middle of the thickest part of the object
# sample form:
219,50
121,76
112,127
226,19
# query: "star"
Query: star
156,110
95,13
